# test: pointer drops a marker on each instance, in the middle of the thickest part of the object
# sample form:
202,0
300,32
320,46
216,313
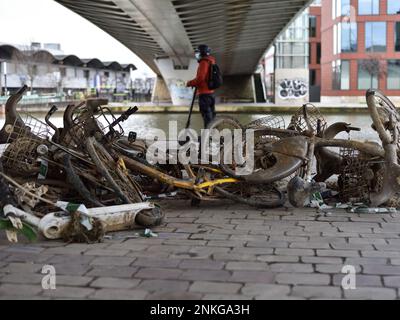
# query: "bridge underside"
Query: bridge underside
238,31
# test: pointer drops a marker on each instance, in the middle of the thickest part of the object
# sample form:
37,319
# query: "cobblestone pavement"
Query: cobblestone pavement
219,251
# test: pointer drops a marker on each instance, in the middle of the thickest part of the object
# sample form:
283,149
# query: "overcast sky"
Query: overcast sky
25,21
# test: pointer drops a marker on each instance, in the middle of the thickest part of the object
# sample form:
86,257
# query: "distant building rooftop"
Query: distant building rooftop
57,56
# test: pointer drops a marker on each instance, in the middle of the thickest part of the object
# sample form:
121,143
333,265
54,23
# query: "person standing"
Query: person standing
205,94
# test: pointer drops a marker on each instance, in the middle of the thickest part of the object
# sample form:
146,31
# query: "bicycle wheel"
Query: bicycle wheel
224,122
124,187
384,115
260,196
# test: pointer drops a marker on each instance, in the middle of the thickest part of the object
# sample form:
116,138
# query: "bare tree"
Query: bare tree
374,66
28,60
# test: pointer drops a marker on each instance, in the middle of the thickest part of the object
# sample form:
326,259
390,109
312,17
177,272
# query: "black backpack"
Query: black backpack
215,78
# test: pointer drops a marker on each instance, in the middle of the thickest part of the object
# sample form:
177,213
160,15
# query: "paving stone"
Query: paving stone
267,291
22,278
381,269
294,252
163,285
275,258
371,293
392,281
112,261
175,296
68,292
73,281
380,254
333,268
28,258
321,260
324,292
214,287
241,265
395,262
71,269
249,250
365,261
154,262
361,280
112,271
202,264
116,283
119,294
19,290
224,296
226,243
291,267
22,268
107,252
252,276
66,250
158,273
337,253
302,278
77,259
234,256
367,241
205,275
309,245
351,246
268,244
19,248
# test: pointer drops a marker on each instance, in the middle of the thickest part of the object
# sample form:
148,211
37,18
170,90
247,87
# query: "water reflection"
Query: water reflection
146,124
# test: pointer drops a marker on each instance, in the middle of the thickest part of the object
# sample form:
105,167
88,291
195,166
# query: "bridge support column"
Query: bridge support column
238,88
160,92
175,80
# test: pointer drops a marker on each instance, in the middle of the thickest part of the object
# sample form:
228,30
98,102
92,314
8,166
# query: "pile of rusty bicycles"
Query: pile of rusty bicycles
90,177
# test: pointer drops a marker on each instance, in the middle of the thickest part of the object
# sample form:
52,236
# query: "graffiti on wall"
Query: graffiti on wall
177,88
292,88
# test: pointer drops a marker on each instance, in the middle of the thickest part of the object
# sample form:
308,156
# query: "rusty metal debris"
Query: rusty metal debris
88,177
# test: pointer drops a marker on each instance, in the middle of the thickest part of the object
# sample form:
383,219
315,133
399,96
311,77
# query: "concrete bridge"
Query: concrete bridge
164,33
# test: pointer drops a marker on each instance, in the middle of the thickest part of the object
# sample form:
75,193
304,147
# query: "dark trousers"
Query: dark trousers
207,108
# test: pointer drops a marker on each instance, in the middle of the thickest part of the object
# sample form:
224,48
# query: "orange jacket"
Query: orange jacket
201,81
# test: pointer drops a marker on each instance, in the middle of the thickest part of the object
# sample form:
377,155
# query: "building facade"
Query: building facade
47,71
292,70
360,49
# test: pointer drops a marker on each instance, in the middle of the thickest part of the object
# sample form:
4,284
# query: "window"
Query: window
106,74
319,53
313,77
341,75
393,7
393,74
368,7
348,42
367,78
312,26
340,8
375,36
310,53
397,36
345,8
63,72
86,74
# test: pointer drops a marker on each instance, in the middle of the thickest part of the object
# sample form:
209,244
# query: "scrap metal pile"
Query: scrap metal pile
87,178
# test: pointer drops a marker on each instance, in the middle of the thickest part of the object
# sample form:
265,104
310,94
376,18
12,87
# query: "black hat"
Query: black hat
204,50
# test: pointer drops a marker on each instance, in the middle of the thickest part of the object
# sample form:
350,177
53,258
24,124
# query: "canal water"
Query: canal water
146,124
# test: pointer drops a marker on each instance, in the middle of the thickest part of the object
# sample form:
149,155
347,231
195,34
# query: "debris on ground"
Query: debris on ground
86,179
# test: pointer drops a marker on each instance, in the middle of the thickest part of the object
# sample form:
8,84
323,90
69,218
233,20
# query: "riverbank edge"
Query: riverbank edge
219,109
242,109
